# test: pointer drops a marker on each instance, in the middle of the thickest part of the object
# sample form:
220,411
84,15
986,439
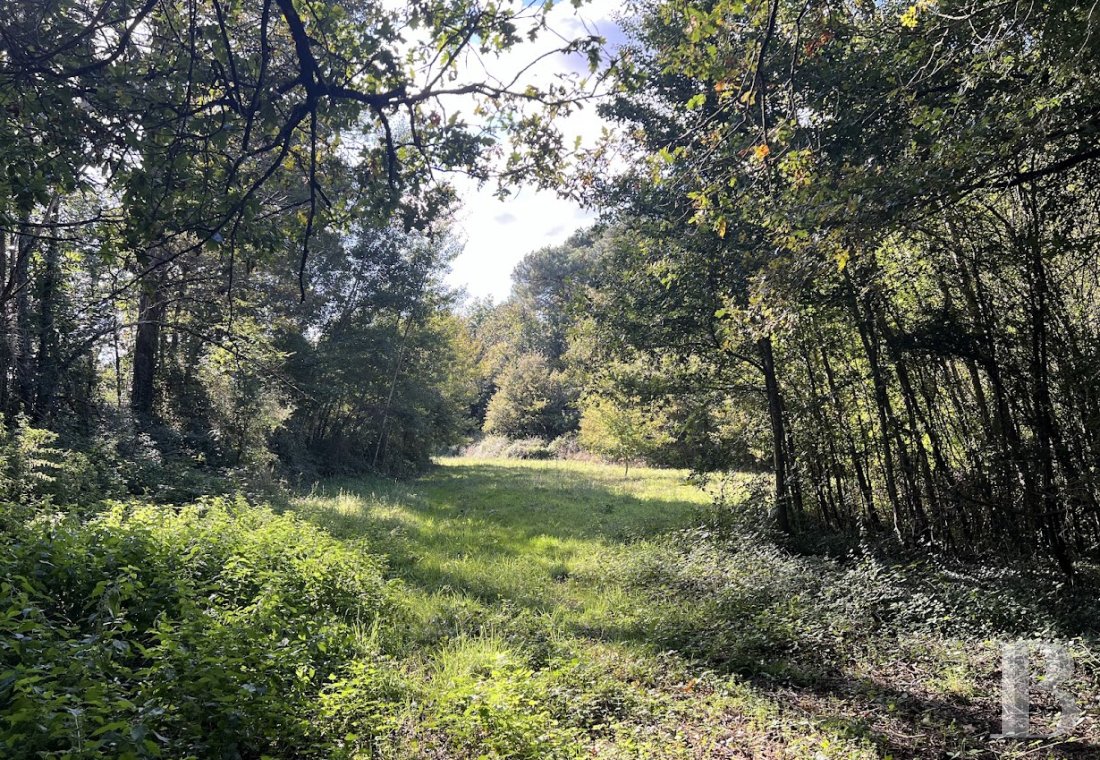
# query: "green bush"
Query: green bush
528,448
568,446
531,400
485,695
207,631
36,469
733,596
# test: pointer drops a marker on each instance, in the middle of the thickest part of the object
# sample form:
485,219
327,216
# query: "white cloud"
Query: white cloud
493,248
499,233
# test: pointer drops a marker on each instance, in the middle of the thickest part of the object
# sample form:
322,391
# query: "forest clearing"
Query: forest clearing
517,609
561,609
492,379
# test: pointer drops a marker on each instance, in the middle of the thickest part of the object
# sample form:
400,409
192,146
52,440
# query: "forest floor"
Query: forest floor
567,609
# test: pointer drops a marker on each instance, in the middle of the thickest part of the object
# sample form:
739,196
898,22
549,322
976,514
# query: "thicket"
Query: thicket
856,245
905,274
222,232
212,629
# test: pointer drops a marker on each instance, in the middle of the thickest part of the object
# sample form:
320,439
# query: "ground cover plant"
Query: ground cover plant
504,609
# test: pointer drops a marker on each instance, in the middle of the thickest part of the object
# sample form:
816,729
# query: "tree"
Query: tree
530,401
623,432
191,145
382,372
846,172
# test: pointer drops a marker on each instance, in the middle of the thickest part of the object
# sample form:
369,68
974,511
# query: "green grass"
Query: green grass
521,582
564,609
505,609
543,537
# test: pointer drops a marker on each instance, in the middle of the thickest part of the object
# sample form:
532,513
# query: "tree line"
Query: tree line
223,226
851,243
859,243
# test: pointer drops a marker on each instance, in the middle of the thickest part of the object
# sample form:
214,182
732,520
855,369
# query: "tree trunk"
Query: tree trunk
882,409
1050,517
49,359
393,389
5,331
783,500
151,307
862,480
24,356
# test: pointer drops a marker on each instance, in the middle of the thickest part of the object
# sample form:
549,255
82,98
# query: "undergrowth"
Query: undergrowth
498,609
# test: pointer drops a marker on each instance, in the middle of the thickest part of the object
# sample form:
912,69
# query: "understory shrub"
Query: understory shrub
528,448
486,696
732,595
568,446
210,630
500,447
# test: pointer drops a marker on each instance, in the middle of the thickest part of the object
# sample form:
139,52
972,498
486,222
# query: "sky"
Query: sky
498,233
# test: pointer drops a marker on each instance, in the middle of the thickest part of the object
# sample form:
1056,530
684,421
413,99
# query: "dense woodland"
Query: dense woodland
848,246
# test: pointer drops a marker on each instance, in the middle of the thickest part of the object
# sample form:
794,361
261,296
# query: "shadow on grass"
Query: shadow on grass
505,535
908,725
494,508
496,532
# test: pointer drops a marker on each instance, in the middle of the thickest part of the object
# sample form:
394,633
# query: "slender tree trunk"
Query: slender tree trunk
1012,466
783,499
883,409
914,418
832,473
24,354
392,391
5,331
151,309
862,480
1051,516
49,359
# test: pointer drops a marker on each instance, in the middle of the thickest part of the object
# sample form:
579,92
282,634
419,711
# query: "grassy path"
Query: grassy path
538,537
544,614
528,634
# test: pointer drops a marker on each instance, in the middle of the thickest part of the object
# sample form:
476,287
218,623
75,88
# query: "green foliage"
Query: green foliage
656,333
245,408
566,446
487,696
38,469
31,463
543,609
223,225
559,609
148,631
531,401
538,320
872,263
621,432
383,372
501,447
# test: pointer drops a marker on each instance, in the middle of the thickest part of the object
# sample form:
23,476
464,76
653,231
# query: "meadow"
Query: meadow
507,609
566,609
